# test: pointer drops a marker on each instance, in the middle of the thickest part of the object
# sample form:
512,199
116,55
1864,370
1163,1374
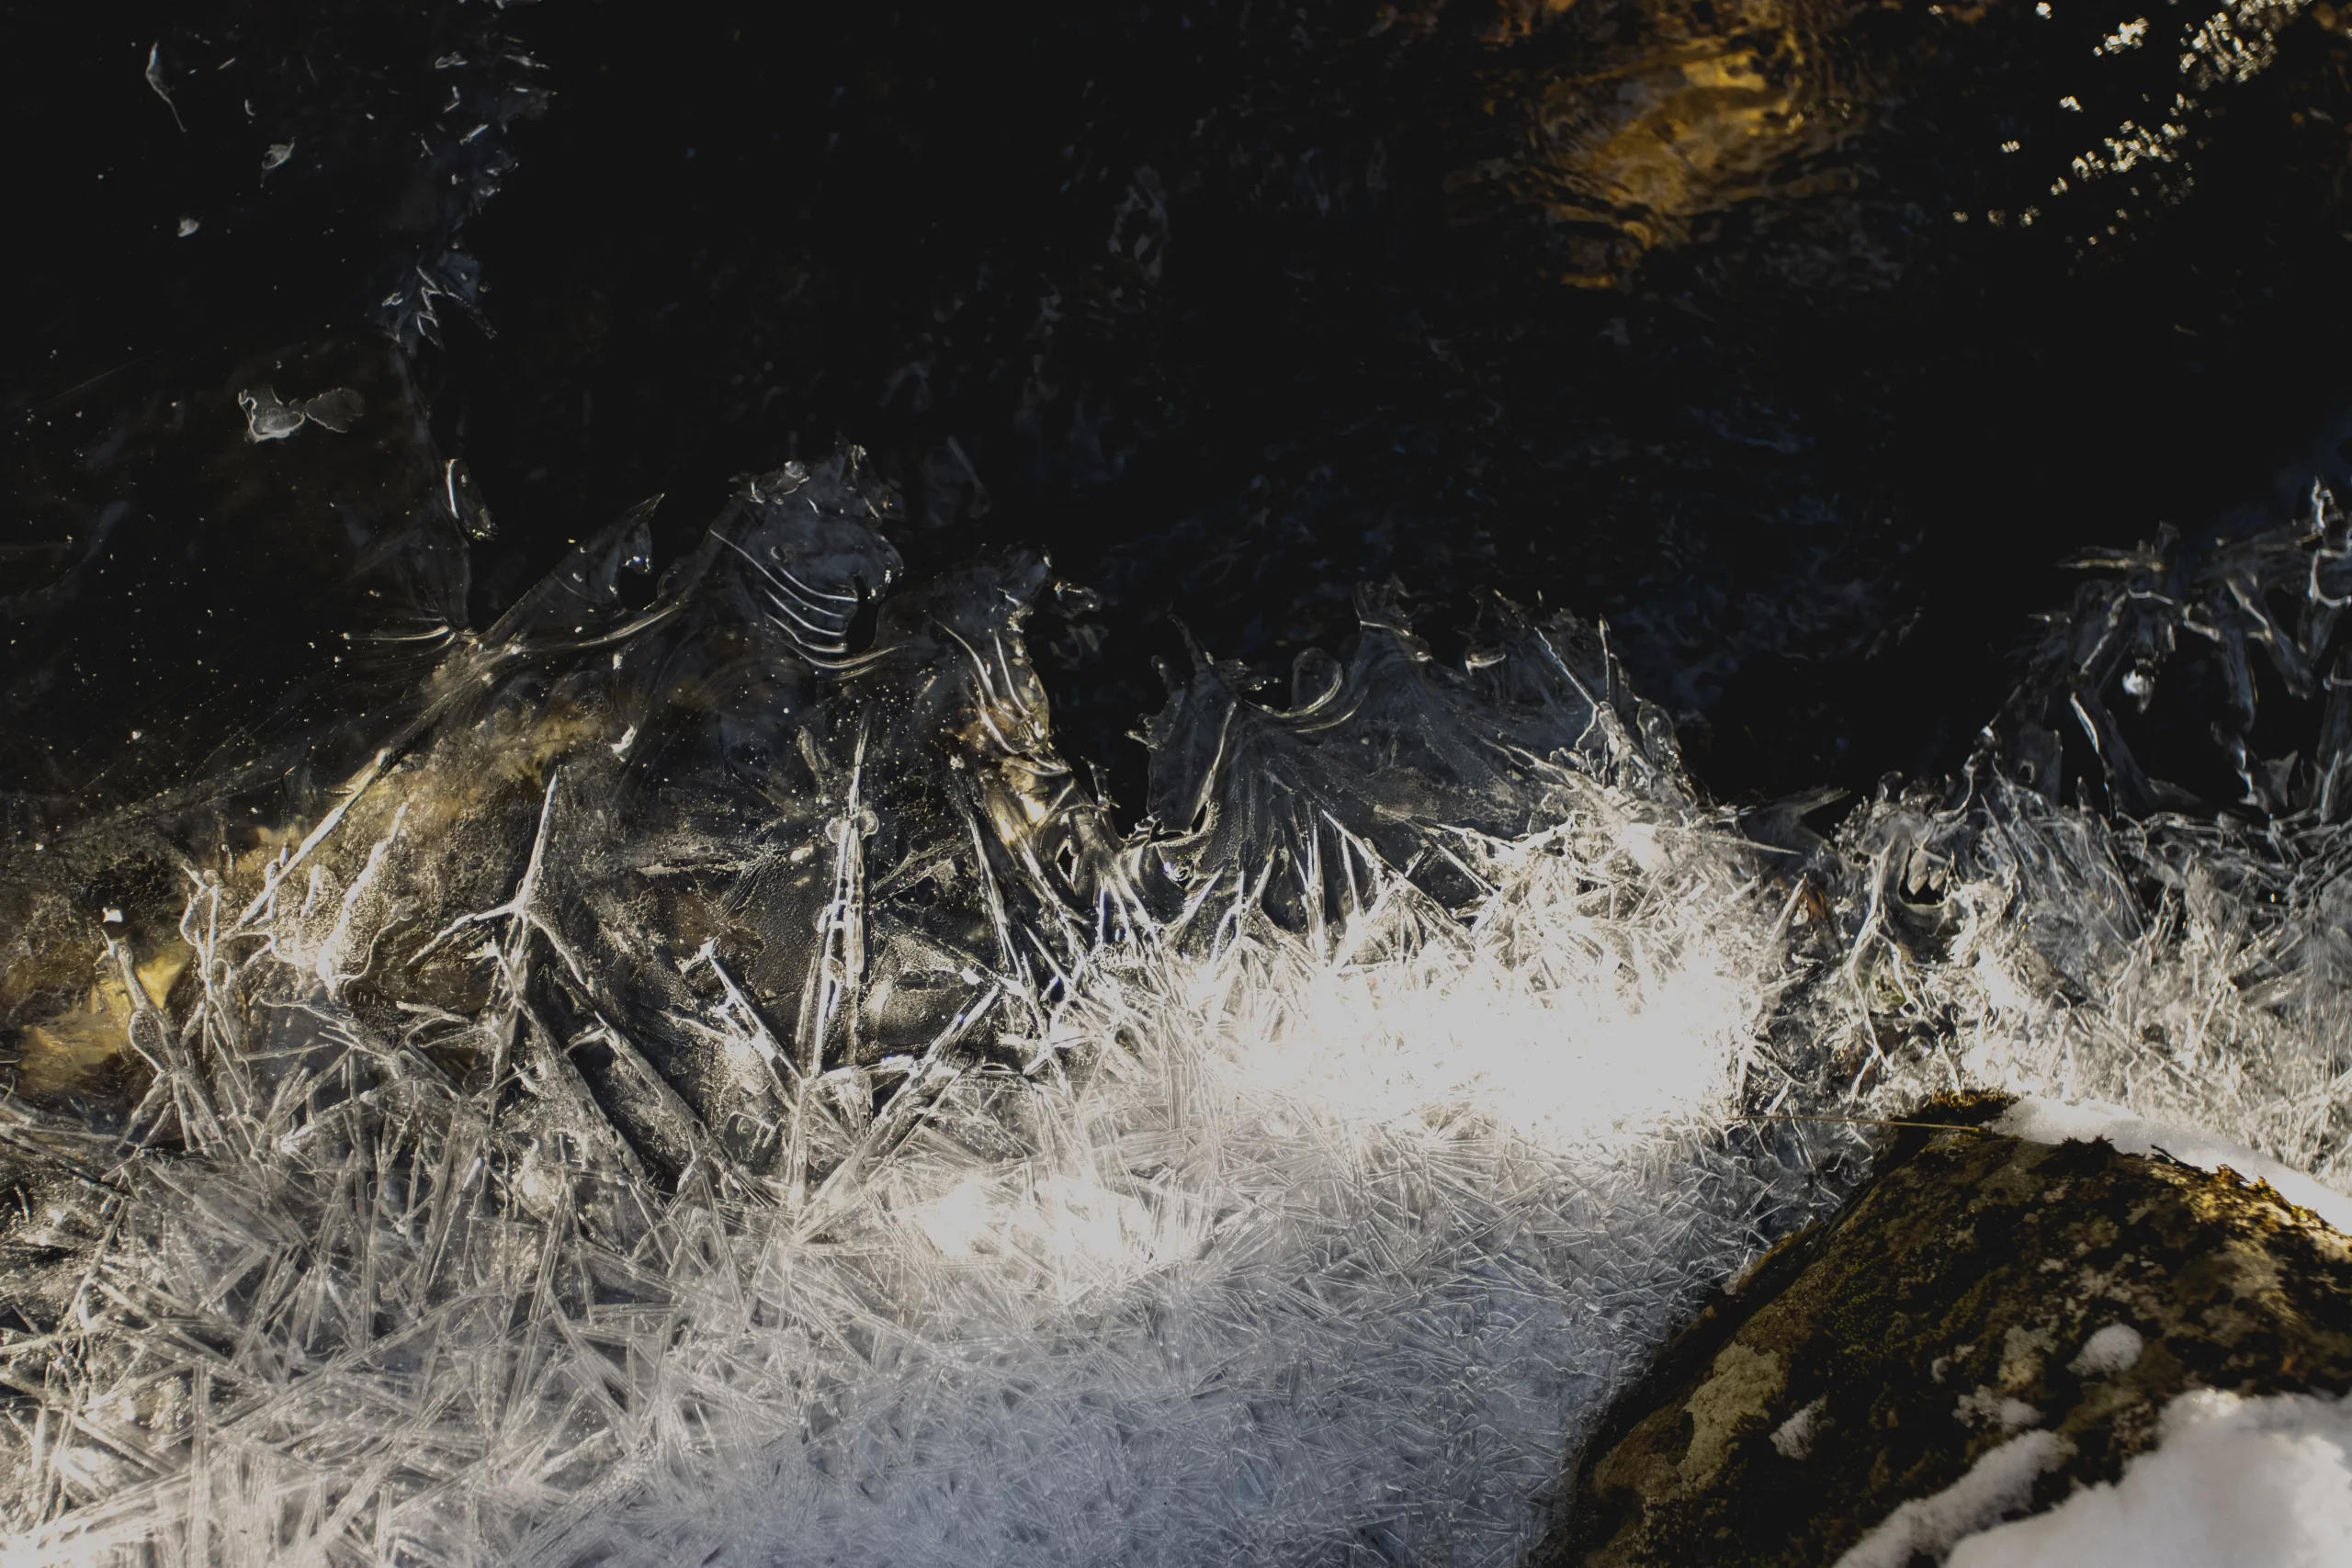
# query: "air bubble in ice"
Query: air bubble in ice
336,409
155,80
463,498
267,418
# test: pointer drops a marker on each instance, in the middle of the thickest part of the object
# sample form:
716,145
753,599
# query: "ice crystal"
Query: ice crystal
705,1086
710,1085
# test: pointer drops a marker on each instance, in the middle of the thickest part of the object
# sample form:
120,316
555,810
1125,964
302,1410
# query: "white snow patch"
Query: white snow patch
2250,1482
1998,1483
1794,1438
2115,1349
1986,1409
2044,1120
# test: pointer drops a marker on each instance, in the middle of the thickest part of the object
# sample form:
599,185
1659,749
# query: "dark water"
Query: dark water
1204,299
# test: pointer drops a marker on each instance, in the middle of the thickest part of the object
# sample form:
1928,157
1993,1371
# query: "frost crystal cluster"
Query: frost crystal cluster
708,1084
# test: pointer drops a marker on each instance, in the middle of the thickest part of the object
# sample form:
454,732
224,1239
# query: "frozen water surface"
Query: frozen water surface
711,1083
711,1086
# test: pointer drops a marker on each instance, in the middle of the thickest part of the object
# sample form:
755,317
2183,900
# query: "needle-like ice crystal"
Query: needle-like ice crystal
712,1086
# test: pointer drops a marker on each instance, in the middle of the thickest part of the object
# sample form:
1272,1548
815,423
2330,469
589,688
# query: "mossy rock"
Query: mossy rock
1977,1286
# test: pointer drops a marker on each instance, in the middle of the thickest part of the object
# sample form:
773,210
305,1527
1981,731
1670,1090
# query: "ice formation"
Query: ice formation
2183,967
708,1085
704,1085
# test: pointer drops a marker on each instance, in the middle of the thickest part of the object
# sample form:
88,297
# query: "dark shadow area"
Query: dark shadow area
1226,308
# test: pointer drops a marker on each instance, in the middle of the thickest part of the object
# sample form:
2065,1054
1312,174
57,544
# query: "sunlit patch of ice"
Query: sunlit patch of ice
1312,1257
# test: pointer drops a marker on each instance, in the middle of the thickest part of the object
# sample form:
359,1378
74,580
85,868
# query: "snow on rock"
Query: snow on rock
2251,1482
1792,1439
1988,1326
2043,1121
1996,1485
2115,1349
